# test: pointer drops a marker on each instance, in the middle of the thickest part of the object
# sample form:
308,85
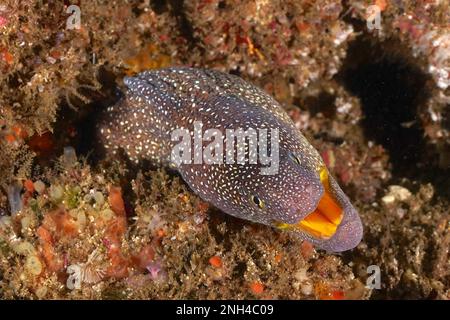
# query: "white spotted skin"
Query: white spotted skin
160,101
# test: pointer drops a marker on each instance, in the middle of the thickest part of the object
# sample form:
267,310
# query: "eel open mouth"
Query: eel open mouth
323,222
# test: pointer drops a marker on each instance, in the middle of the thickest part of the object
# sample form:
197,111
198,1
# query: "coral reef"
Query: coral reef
72,239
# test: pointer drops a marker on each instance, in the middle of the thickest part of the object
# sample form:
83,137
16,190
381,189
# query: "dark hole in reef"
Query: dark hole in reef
391,89
323,103
159,6
239,269
236,72
185,26
76,127
446,118
222,4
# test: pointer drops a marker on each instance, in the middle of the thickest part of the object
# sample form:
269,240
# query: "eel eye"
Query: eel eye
294,158
257,201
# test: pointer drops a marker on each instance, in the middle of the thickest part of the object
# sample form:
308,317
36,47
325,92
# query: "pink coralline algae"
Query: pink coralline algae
3,16
3,21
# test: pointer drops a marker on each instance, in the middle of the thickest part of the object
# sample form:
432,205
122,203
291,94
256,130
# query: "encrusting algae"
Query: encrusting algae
74,238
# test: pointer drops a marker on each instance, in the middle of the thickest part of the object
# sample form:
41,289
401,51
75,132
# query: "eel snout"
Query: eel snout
334,224
347,231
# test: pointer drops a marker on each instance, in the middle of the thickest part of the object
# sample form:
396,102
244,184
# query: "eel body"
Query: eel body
293,192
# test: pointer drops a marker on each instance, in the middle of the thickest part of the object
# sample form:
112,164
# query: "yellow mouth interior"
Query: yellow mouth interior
324,220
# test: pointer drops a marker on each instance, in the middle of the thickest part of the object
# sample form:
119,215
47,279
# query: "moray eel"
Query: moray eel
302,197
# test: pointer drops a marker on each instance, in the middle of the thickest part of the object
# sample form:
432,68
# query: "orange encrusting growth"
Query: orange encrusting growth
324,220
256,288
215,261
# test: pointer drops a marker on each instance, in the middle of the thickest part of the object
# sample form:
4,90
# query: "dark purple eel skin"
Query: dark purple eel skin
160,101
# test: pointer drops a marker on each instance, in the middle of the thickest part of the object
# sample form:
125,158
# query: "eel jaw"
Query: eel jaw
322,223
